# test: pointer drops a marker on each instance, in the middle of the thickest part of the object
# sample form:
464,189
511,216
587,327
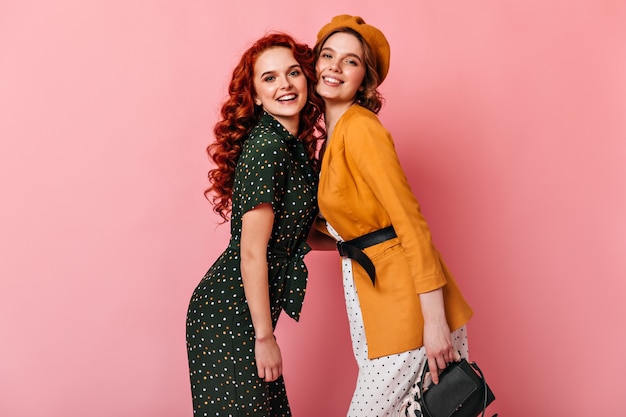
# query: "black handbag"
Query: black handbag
461,392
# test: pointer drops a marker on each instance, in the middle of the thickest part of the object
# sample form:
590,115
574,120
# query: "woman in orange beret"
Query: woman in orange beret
404,307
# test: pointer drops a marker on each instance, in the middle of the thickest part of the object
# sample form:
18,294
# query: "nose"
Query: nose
334,66
285,83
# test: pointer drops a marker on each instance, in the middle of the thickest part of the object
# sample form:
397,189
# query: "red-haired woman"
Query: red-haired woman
265,182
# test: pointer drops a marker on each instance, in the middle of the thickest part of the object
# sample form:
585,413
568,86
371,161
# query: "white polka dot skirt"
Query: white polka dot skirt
386,386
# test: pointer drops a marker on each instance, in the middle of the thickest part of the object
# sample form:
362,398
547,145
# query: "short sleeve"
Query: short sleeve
261,171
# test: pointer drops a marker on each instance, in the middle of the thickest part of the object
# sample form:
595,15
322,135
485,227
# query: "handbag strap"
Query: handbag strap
482,377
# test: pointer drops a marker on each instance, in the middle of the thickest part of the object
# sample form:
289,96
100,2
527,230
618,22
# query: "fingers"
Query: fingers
272,374
434,370
439,362
269,362
438,345
269,373
449,356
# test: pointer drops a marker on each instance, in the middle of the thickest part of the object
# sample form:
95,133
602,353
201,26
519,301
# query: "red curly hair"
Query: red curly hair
239,115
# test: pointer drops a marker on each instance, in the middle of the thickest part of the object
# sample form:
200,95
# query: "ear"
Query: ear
257,101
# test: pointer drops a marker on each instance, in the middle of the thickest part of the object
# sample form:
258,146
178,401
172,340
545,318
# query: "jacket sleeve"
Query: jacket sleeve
372,153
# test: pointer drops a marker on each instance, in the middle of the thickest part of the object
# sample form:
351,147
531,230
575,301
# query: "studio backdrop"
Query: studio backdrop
509,120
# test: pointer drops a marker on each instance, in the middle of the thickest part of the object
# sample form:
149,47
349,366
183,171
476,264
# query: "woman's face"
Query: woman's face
340,68
280,86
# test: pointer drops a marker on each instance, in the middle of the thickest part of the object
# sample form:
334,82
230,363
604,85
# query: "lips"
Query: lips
288,97
332,80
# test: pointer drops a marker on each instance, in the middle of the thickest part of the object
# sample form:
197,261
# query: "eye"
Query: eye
326,55
269,78
294,73
351,61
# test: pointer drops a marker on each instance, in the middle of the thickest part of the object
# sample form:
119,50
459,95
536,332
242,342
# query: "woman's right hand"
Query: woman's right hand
269,361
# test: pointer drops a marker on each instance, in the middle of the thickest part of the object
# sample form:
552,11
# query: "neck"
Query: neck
291,127
332,114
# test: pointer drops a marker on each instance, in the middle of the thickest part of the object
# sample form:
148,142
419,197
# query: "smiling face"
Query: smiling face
340,68
280,86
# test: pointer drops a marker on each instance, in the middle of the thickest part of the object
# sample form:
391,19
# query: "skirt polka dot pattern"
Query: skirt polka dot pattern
386,386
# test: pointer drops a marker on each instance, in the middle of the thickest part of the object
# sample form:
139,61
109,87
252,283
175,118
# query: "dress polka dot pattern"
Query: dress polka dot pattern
386,386
273,168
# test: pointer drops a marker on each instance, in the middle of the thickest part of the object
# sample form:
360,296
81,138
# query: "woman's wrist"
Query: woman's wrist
433,309
264,337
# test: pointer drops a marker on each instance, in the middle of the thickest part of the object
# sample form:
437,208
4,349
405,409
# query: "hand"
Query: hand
269,362
438,345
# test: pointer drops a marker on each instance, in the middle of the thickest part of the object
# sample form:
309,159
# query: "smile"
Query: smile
331,80
287,97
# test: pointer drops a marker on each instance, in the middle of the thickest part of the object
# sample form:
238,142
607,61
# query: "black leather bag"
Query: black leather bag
461,392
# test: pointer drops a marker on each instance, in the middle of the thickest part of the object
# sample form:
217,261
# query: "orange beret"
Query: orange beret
374,38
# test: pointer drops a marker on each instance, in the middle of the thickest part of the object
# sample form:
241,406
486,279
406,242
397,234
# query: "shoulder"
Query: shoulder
360,125
267,136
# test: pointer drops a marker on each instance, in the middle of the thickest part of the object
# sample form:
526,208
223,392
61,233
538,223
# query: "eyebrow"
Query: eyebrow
274,71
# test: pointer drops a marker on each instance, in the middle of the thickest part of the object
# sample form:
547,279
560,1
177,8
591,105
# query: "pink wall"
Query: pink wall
509,118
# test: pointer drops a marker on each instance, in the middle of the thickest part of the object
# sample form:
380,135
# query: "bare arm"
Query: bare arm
255,234
318,240
437,338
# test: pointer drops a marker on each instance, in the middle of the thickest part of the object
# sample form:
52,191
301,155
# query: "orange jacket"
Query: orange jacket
362,189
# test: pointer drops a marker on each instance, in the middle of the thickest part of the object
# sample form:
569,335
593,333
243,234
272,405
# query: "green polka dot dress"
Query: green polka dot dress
273,168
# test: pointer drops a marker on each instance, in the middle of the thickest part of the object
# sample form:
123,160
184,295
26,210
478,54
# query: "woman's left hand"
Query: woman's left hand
268,358
437,337
438,345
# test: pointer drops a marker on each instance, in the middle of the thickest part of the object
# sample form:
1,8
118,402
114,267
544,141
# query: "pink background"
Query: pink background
509,117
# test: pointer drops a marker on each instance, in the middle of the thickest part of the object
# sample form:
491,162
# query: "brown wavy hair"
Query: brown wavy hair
369,96
239,115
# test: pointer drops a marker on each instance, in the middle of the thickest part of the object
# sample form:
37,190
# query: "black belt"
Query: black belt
353,249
